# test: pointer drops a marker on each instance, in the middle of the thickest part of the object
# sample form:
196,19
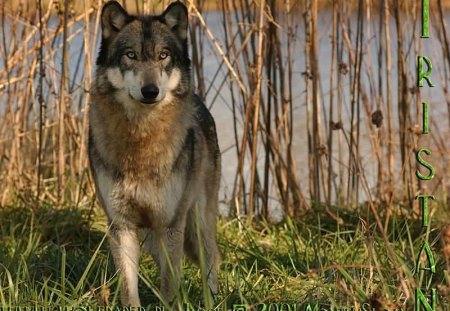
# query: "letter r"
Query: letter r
425,74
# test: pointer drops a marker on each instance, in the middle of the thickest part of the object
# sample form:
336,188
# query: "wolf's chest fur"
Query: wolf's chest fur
142,180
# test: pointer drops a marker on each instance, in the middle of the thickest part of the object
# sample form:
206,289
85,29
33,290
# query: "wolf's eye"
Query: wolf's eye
164,54
131,55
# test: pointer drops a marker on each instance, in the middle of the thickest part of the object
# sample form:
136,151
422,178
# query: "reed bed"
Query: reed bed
362,117
323,107
359,107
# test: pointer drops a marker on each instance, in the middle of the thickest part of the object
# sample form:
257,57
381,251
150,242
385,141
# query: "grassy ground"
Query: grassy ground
59,257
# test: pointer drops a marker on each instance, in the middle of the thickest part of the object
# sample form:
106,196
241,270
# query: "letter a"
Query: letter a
430,259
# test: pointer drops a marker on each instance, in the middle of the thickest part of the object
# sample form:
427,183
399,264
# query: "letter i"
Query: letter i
425,19
425,128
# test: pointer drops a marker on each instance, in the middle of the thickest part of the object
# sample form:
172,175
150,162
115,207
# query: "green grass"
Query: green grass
59,257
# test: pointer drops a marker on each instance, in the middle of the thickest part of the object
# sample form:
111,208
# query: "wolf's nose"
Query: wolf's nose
150,92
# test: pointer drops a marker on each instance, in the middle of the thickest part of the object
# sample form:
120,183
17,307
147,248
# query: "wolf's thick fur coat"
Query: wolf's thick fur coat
153,149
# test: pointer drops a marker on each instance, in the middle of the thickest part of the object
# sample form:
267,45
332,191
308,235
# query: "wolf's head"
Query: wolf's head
144,59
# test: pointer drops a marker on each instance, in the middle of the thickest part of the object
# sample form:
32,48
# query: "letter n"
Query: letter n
315,308
421,300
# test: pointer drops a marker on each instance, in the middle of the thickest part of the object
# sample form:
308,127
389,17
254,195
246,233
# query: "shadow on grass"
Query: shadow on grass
323,249
50,249
62,251
42,236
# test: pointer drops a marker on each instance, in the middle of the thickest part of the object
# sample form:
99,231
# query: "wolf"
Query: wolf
153,149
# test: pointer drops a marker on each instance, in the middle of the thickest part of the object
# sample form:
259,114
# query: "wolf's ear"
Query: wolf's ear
114,17
176,17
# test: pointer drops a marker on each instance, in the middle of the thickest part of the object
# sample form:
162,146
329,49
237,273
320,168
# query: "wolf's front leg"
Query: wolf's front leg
124,245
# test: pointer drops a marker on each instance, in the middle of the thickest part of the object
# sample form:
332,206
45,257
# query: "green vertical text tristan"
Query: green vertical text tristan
424,74
425,19
425,164
425,127
421,300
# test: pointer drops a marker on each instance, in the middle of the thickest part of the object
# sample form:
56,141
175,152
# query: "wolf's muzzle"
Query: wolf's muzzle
149,92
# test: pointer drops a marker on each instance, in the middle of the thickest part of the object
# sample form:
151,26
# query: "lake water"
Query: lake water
435,96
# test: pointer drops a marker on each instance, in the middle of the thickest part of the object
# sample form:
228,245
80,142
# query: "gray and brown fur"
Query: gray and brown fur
153,149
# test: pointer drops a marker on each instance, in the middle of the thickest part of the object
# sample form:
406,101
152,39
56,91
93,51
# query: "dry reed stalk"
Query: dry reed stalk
293,184
331,107
309,116
87,85
415,137
40,95
271,87
316,140
256,107
88,49
373,111
64,88
381,142
247,134
389,195
403,101
340,189
356,60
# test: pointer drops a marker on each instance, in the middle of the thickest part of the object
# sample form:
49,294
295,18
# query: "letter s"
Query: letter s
425,164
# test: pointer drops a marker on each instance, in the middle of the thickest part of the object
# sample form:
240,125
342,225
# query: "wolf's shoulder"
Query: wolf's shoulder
203,115
208,126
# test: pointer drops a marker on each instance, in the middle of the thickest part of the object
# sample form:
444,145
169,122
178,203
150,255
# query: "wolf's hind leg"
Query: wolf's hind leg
205,244
125,249
170,270
166,248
